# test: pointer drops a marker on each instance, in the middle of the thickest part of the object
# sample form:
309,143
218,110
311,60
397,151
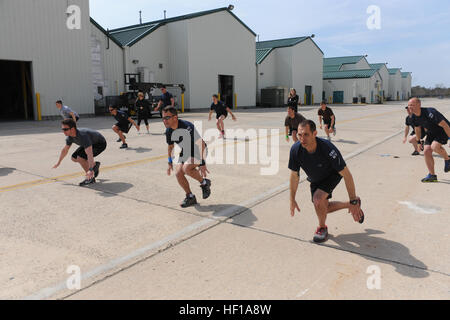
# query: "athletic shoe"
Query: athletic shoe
188,201
123,146
430,178
87,182
206,188
120,140
447,166
321,234
415,153
96,169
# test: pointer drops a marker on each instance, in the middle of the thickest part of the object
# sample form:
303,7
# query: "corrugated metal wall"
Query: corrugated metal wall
36,31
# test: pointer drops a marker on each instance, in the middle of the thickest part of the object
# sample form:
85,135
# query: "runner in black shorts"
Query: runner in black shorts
329,119
91,143
292,122
325,167
221,113
438,132
143,109
191,161
412,137
122,126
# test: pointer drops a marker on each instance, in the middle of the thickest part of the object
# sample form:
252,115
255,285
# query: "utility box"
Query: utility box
273,97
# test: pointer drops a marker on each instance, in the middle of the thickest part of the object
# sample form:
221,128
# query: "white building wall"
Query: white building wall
351,87
267,79
384,73
151,51
220,45
36,31
112,62
406,87
395,85
283,67
307,70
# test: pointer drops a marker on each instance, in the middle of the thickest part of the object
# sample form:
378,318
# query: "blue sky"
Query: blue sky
414,35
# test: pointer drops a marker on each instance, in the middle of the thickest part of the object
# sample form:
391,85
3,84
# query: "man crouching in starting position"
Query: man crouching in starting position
192,157
325,167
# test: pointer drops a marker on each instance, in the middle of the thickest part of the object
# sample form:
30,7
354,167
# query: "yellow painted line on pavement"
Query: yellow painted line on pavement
38,182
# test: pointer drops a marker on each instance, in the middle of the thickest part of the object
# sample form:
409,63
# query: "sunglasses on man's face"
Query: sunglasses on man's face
65,129
167,118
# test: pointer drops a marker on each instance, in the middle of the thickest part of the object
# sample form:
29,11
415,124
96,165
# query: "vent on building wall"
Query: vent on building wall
160,65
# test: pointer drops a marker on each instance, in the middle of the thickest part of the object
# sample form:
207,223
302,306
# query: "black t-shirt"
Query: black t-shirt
121,117
429,119
142,106
293,101
220,108
326,114
325,161
185,130
165,98
293,123
86,137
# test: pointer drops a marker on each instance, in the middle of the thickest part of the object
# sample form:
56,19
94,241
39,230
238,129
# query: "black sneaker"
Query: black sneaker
188,201
415,153
87,182
430,178
321,234
206,188
96,169
123,146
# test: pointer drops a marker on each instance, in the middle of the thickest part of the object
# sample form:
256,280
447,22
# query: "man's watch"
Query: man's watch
354,202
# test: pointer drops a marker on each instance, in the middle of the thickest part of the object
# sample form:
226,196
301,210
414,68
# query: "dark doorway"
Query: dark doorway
226,90
338,96
308,95
16,99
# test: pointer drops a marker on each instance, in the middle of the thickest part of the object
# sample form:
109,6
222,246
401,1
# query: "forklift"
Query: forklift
134,85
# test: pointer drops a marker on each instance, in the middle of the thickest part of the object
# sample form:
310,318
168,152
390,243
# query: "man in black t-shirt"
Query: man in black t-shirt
438,132
412,137
91,143
292,122
329,120
191,160
325,167
165,100
122,126
221,113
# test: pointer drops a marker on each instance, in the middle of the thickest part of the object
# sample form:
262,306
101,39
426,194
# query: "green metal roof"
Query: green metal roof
377,66
349,74
128,36
105,32
405,74
261,54
331,68
393,71
341,60
263,48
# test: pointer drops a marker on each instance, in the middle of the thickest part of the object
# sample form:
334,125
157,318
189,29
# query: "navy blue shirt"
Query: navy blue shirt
165,98
429,119
121,117
325,161
176,136
220,108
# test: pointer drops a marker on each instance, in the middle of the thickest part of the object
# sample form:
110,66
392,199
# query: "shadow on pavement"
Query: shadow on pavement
367,245
140,149
346,141
246,216
6,171
110,189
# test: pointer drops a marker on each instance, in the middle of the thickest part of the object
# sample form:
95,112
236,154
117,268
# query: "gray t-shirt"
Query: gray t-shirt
66,111
86,138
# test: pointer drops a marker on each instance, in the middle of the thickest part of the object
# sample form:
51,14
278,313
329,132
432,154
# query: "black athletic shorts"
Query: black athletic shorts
291,130
328,123
327,185
440,137
221,114
96,150
423,133
124,127
182,159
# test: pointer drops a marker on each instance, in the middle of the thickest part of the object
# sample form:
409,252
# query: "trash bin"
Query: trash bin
363,100
355,100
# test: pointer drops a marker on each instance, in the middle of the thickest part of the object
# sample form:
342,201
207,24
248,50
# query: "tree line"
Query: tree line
437,91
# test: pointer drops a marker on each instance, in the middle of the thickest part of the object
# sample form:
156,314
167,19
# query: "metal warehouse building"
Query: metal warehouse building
43,60
40,54
291,63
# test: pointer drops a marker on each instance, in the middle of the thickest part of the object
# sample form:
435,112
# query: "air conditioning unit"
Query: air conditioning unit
145,74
